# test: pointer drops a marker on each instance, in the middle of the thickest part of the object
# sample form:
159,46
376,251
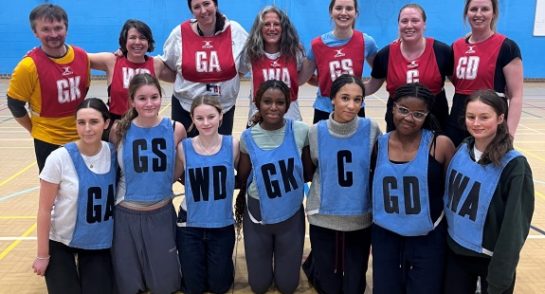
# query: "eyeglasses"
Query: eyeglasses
417,115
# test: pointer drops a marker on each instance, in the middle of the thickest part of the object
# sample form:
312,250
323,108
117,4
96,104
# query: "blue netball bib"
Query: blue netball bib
148,159
344,171
279,176
400,191
469,189
96,196
209,185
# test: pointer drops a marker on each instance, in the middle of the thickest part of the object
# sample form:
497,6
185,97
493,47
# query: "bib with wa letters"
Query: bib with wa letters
469,189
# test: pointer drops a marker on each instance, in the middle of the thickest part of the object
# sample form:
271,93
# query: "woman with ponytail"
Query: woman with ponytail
338,204
489,201
144,248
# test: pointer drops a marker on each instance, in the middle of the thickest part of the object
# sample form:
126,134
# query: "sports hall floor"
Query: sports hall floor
19,189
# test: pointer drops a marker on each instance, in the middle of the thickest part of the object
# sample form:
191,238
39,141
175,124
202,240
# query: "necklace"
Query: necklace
212,149
90,160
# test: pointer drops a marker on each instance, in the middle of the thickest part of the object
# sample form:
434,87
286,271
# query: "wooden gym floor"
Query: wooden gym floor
19,189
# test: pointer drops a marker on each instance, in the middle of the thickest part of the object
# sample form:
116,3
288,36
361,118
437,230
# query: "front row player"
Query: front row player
489,201
408,235
272,187
205,235
144,248
338,204
75,214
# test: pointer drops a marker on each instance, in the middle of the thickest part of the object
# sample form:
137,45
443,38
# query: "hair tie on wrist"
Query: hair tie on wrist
43,258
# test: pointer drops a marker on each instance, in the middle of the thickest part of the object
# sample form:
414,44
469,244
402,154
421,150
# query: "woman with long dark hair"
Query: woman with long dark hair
489,201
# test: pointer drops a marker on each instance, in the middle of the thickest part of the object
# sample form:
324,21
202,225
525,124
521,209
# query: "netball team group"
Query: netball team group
441,200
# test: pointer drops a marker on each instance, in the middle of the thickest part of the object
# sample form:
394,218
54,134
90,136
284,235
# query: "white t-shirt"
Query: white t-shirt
186,90
59,169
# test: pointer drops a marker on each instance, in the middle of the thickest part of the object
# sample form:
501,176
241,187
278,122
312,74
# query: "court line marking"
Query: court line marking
17,174
16,194
17,217
537,230
540,195
523,150
379,98
539,182
15,243
18,238
164,108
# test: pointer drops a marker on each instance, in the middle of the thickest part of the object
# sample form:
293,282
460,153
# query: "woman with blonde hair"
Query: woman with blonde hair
205,235
485,59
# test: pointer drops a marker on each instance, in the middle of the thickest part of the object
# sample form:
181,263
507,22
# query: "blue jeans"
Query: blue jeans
206,258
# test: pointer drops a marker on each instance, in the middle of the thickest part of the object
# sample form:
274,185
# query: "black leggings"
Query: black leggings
338,261
462,272
90,272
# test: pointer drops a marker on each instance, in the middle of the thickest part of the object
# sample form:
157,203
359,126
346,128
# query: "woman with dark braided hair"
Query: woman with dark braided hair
489,201
408,235
271,174
273,52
